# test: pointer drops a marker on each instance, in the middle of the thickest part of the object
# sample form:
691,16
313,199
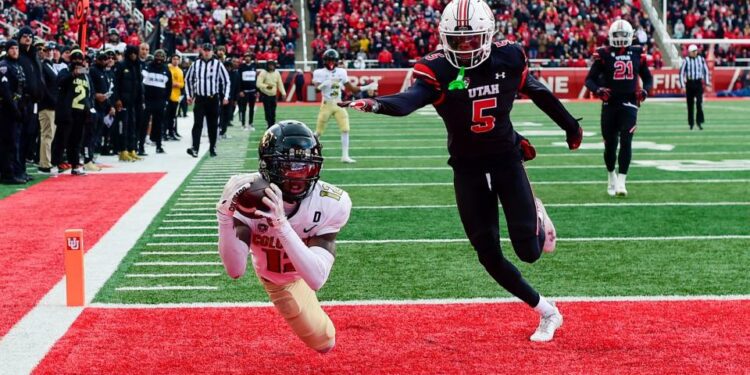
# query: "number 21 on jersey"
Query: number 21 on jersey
623,70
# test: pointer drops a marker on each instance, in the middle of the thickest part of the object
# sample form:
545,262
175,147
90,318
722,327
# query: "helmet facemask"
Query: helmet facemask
466,48
295,178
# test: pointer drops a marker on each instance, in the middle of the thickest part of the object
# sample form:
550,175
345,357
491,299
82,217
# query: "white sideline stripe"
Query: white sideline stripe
454,240
165,275
151,288
177,264
427,206
579,153
31,338
179,253
193,215
435,301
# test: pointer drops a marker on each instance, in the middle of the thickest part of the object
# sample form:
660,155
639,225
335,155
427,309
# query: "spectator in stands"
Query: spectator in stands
385,59
114,42
741,87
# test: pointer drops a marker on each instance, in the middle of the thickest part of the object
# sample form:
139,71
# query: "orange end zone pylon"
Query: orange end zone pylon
74,267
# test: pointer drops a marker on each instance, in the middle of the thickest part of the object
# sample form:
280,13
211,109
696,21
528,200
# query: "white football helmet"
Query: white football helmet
620,34
466,31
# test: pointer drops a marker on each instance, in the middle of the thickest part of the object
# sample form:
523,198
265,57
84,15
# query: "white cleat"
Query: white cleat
547,326
550,235
348,160
620,189
611,183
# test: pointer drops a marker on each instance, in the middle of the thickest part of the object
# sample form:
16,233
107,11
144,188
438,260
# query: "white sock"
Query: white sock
612,176
621,177
544,308
345,145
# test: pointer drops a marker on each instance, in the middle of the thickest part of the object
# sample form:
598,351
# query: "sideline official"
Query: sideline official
207,85
693,73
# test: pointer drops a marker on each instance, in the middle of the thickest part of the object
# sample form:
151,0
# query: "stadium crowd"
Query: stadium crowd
393,32
719,19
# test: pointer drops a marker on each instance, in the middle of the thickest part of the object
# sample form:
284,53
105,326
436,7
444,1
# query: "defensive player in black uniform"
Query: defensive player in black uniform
472,83
614,79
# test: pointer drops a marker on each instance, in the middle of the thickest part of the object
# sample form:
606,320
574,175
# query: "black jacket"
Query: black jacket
75,94
12,85
50,86
157,84
101,85
128,83
32,67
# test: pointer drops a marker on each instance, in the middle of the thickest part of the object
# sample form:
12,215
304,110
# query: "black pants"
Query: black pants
477,199
141,129
10,147
618,125
70,135
694,92
227,113
29,136
170,119
125,123
247,103
155,112
205,108
269,107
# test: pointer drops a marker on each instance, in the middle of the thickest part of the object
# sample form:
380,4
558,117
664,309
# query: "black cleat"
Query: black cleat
212,153
160,150
192,152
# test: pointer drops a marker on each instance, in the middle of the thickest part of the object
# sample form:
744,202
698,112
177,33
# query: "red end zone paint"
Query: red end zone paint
597,338
33,226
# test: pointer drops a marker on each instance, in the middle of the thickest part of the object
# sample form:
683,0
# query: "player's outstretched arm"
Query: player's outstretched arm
313,263
415,97
547,102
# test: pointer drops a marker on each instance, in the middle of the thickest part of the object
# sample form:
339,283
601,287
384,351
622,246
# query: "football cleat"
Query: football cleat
620,189
547,326
550,235
348,160
611,183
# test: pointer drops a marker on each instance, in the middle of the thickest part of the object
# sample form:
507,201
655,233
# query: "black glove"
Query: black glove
363,105
603,93
641,95
574,138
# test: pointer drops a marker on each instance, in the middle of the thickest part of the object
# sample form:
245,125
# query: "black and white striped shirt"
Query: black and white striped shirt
207,78
694,68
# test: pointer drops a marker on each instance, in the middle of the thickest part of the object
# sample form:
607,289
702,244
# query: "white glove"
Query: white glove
275,202
225,205
324,84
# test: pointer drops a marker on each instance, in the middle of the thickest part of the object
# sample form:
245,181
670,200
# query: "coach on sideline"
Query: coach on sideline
693,72
203,82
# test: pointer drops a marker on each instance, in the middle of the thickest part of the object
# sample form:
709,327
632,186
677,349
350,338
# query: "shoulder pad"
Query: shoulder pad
430,67
509,52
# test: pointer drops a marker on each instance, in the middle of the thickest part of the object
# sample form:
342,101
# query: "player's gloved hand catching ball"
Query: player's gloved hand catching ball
362,105
528,152
604,94
574,138
275,203
641,96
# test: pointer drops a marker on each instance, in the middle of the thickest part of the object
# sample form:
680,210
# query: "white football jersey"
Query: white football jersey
338,78
325,210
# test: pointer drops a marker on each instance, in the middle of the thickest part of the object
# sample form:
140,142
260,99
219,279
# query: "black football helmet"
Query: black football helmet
290,156
330,59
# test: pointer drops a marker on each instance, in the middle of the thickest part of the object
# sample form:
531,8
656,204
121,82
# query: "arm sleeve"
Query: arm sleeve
261,78
645,73
547,102
227,82
417,96
593,75
280,83
189,77
708,71
232,250
682,73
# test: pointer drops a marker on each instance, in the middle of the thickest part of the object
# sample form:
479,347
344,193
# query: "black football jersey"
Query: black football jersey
477,117
618,69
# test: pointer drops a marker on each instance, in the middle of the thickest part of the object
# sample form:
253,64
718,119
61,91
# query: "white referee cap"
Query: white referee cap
692,48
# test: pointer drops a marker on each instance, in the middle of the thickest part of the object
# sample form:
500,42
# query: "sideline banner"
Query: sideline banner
566,83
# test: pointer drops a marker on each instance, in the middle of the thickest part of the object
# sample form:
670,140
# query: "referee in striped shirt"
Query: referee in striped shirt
207,85
693,72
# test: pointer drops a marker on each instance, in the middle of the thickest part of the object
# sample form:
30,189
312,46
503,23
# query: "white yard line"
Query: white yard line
455,240
436,301
566,154
188,227
179,253
189,221
26,344
168,275
207,207
159,288
149,264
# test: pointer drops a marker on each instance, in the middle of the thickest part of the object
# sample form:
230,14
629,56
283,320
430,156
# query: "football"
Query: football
249,198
